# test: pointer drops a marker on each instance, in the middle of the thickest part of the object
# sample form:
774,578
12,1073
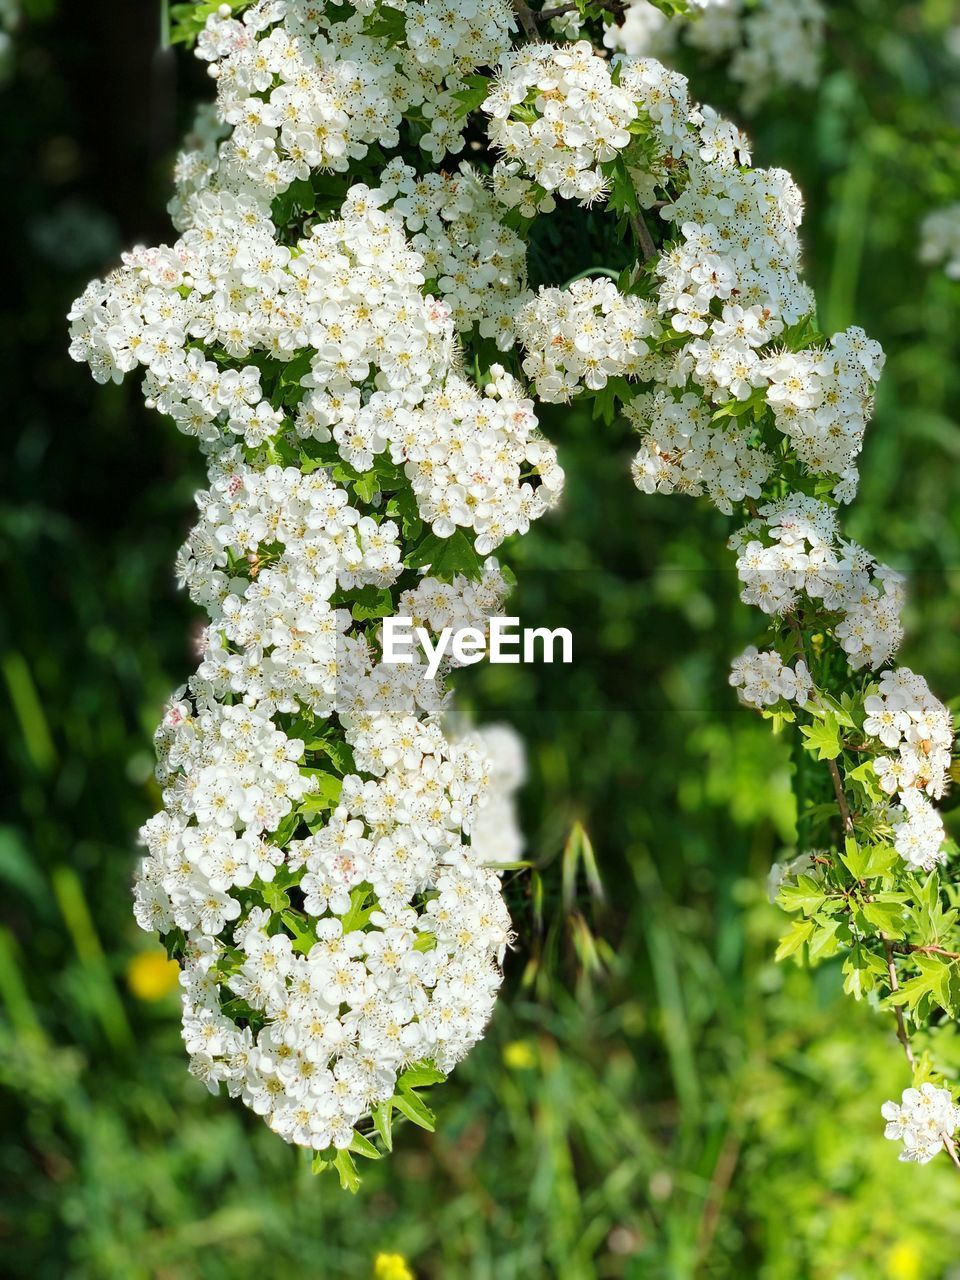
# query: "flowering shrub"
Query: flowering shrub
352,339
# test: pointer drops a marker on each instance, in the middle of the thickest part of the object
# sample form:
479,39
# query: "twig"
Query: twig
902,1035
616,9
912,948
528,19
841,798
952,1151
644,238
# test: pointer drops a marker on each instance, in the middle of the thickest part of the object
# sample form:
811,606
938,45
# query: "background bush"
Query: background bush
654,1097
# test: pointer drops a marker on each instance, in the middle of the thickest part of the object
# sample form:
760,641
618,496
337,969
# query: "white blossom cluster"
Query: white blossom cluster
269,552
908,720
470,458
940,239
583,335
557,110
794,550
729,290
769,45
685,451
390,958
350,297
313,848
455,223
822,400
924,1120
324,848
763,679
230,778
305,87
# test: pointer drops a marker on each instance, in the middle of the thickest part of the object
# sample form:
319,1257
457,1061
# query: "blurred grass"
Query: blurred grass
654,1098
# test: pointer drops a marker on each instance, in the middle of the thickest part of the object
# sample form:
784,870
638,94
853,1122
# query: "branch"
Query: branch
912,948
902,1034
841,798
616,9
527,18
644,238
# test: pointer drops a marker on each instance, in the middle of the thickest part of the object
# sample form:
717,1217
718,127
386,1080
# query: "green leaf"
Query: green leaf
806,895
359,913
382,1116
855,858
477,88
367,486
825,940
447,557
349,1178
858,978
927,985
823,737
416,1110
274,896
420,1075
304,937
361,1146
866,776
326,793
372,602
798,933
886,916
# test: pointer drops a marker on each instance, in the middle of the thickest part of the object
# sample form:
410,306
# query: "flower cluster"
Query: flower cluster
925,1120
312,867
685,451
763,679
793,552
940,239
557,110
309,86
473,260
581,336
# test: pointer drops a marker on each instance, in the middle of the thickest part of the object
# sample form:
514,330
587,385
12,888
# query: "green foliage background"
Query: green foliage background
654,1098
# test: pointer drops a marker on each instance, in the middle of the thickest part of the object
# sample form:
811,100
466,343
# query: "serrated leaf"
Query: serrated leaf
349,1178
823,737
367,486
359,913
825,940
419,1076
791,942
447,557
325,795
885,916
806,895
855,858
361,1146
382,1116
371,603
416,1110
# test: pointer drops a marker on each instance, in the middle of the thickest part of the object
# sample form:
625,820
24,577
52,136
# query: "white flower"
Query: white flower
924,1120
